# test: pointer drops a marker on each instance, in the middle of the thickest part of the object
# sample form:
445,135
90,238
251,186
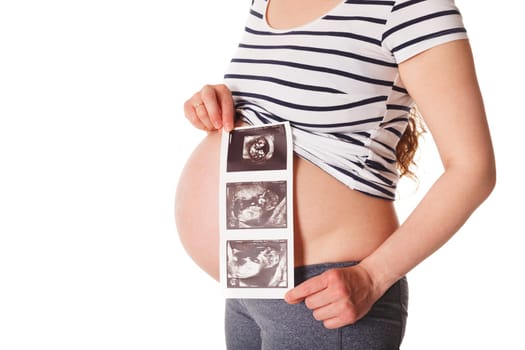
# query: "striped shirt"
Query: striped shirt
336,80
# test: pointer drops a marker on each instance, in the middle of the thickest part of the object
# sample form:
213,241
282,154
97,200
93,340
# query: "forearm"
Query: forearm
443,210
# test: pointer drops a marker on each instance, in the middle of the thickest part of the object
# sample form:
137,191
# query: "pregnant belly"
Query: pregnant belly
196,205
331,221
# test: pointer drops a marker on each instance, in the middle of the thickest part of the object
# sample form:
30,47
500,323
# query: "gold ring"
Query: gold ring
197,105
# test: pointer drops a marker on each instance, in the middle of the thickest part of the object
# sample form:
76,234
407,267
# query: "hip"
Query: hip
278,325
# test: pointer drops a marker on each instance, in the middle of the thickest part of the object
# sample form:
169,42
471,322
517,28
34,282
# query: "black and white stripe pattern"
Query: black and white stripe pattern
336,81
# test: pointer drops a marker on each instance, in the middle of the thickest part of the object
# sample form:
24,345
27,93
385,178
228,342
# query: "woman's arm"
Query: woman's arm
443,83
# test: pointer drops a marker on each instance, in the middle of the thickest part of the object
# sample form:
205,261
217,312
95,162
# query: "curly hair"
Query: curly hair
408,144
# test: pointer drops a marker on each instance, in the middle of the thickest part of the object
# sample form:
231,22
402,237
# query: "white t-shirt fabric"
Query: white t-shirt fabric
336,80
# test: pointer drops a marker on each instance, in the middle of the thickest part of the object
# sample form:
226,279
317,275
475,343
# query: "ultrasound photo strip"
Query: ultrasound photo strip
256,211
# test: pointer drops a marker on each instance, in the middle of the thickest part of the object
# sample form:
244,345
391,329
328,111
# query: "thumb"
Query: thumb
227,108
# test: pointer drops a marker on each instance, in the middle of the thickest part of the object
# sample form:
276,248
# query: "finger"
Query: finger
197,122
342,318
327,312
210,99
334,323
305,289
200,112
226,102
337,314
189,112
202,115
320,299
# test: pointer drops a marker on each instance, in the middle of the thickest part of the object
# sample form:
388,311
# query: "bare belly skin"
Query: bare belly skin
331,221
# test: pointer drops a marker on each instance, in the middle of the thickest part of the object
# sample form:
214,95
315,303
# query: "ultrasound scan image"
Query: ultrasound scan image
262,148
258,149
257,264
256,205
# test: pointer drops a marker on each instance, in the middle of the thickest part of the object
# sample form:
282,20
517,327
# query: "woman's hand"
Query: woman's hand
211,108
337,297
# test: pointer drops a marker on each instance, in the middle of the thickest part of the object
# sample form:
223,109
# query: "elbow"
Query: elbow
488,166
486,175
478,176
490,179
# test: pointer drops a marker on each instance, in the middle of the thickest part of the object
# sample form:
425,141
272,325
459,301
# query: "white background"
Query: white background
92,141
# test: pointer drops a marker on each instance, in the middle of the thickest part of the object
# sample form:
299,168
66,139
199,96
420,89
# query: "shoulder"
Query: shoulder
416,25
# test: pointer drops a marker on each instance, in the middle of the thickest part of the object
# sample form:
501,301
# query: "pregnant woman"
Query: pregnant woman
346,75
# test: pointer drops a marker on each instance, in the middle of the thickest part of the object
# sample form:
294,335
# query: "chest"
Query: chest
288,14
333,27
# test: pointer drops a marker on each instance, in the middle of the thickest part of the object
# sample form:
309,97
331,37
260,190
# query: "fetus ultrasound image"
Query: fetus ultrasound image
256,205
262,148
257,264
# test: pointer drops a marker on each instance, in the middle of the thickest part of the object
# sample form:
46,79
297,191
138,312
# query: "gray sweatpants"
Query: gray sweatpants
272,324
